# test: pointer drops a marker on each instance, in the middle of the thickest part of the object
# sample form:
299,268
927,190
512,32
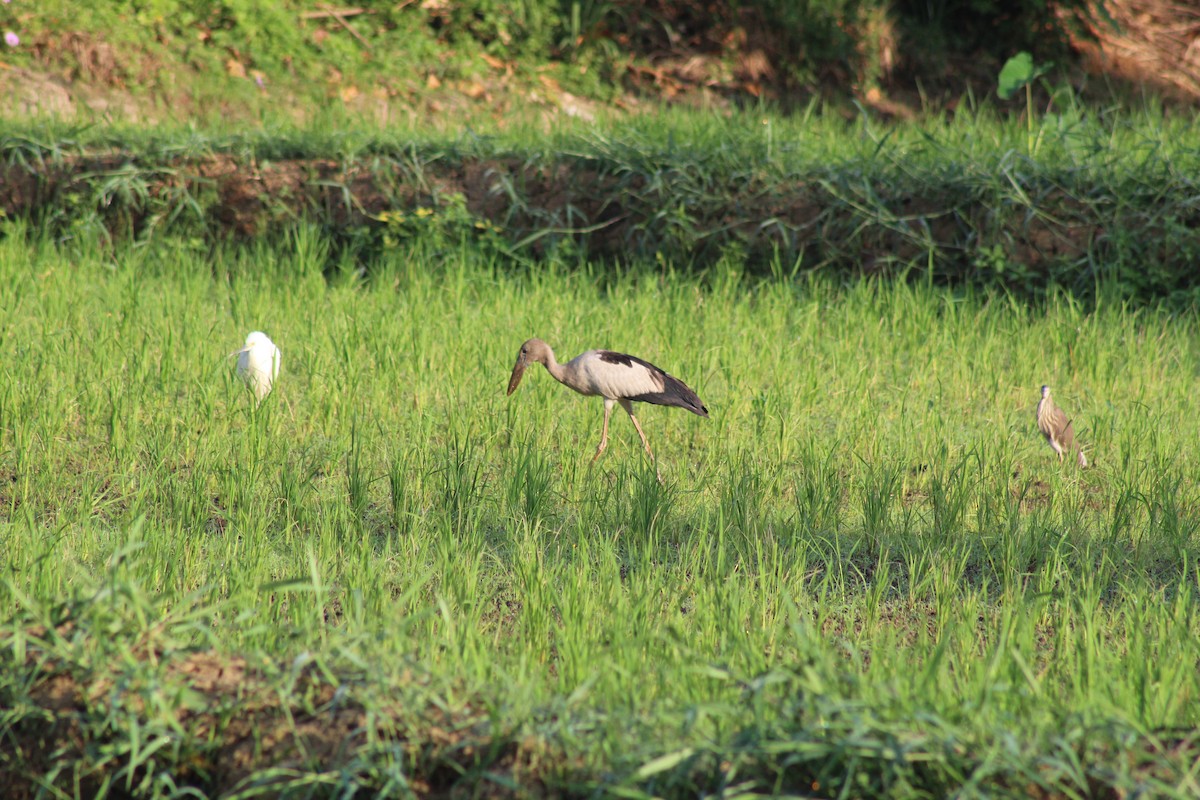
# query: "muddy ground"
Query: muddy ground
227,721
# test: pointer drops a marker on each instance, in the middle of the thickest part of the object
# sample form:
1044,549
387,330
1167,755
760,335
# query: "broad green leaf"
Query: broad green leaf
1017,72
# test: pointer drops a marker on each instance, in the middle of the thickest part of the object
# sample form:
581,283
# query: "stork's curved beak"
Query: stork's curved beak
518,371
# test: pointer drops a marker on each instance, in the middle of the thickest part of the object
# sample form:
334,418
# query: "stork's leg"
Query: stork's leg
608,407
628,406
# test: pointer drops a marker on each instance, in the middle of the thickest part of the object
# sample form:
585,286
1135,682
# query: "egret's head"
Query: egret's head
1045,391
533,351
255,339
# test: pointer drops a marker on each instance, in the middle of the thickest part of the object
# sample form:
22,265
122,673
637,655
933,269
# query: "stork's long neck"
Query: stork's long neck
559,371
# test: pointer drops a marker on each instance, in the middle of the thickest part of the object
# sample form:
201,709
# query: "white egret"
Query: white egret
258,364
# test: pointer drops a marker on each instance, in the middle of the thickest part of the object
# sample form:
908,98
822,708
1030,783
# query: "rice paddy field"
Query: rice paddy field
864,575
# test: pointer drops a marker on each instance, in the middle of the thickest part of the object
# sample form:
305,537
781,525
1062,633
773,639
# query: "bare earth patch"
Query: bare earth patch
233,727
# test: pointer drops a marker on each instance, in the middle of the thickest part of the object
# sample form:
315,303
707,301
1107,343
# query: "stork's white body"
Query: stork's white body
258,364
588,374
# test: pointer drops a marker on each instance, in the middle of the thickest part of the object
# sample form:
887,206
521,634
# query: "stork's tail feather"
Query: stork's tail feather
674,393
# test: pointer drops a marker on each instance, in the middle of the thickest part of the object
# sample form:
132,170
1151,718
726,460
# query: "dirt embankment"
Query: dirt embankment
962,228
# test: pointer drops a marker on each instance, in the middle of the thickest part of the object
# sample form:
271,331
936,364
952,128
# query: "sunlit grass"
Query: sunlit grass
866,556
766,143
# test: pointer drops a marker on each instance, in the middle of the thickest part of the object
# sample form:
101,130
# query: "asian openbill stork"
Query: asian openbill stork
617,377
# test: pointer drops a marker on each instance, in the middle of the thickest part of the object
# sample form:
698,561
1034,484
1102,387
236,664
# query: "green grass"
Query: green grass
183,59
865,574
761,142
1093,203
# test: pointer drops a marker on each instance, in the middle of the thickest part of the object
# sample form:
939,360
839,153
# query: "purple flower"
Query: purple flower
11,39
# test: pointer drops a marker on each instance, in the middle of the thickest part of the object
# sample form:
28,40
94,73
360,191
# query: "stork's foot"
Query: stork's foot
599,449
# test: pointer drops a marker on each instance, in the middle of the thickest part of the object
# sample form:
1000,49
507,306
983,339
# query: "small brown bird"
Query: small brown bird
1057,429
616,377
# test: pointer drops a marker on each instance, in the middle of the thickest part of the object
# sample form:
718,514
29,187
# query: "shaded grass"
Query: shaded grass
1092,202
864,574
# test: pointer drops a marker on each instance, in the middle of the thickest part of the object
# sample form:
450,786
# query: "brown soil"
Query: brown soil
1154,42
233,723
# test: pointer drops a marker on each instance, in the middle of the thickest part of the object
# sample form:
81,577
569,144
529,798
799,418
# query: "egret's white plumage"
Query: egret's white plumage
617,377
258,364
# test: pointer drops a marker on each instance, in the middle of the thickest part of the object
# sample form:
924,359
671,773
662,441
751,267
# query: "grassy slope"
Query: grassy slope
166,61
221,59
865,573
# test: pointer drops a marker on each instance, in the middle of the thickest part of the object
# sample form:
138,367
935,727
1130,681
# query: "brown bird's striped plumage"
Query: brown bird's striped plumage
1057,429
617,377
